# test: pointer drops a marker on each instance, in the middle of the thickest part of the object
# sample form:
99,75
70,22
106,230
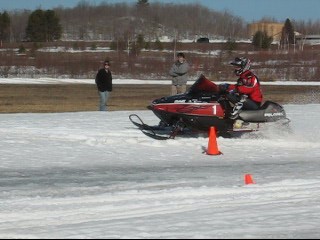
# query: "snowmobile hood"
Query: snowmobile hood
203,89
203,86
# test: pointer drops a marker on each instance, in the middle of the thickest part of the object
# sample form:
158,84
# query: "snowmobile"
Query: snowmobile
204,106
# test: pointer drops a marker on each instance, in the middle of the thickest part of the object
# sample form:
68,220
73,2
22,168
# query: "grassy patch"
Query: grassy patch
84,97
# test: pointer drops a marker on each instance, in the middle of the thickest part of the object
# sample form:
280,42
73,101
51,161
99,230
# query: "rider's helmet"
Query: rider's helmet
242,64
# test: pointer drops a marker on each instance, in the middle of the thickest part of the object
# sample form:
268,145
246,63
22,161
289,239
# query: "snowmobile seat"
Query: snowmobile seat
265,105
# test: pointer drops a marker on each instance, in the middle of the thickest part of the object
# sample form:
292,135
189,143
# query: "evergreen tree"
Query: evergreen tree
142,7
140,41
262,40
142,3
54,28
287,36
230,45
158,45
43,26
4,26
36,28
138,45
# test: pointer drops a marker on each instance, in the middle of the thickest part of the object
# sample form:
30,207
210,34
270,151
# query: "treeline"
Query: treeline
136,28
4,26
123,21
116,21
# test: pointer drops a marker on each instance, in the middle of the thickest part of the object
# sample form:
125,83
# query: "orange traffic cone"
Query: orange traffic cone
212,144
248,179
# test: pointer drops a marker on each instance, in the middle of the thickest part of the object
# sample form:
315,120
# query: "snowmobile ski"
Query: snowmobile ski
150,131
141,125
155,136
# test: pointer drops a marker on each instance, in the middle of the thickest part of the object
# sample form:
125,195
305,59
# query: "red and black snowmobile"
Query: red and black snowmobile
203,106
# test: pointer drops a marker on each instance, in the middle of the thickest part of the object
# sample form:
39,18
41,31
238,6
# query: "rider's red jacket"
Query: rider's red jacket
249,85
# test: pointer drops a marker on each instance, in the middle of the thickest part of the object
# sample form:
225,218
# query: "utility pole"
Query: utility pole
175,45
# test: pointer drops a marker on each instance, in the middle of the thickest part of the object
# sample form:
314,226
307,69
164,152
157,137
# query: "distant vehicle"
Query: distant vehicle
203,40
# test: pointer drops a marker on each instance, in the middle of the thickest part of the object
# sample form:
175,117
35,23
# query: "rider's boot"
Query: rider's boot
238,106
236,110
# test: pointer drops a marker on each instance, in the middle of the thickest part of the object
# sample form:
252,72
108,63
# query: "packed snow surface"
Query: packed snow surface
95,175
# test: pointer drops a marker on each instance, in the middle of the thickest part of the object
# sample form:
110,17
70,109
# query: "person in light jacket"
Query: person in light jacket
179,73
104,84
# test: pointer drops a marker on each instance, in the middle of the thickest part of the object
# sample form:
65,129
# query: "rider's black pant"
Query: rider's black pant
248,104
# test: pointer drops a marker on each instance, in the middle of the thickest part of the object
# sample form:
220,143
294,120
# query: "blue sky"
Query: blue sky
249,10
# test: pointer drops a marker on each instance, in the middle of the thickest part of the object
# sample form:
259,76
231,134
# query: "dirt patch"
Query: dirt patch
84,97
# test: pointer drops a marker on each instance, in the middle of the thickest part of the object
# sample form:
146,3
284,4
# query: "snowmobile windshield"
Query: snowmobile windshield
203,85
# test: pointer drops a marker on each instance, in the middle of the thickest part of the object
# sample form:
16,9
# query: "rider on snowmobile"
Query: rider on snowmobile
246,93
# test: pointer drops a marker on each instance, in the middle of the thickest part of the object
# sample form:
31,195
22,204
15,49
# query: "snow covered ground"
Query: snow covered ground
94,175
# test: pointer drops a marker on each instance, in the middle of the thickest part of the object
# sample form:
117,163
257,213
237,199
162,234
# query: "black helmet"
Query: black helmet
242,64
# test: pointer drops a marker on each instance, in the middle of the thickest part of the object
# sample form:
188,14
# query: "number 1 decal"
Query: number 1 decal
214,108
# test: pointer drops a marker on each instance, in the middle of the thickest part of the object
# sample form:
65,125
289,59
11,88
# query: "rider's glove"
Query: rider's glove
223,87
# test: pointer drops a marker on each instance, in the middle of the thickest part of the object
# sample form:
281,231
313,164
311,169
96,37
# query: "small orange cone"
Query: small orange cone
248,179
212,144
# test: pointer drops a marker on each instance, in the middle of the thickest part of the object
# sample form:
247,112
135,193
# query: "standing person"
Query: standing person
104,84
179,74
246,93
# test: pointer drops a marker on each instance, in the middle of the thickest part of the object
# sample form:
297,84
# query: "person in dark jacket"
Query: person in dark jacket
246,93
104,84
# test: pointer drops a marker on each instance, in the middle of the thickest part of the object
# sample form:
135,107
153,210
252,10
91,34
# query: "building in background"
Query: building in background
272,29
308,39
